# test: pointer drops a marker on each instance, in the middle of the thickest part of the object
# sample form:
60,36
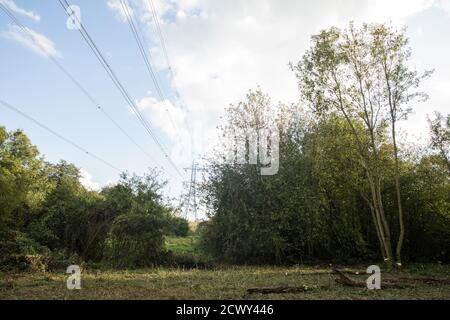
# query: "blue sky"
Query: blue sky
218,50
34,84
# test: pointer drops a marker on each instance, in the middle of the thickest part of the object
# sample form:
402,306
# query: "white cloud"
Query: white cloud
14,7
220,49
118,8
171,121
165,116
37,42
87,182
444,4
396,11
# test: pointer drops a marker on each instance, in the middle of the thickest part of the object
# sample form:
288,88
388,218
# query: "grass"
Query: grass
183,245
223,283
227,282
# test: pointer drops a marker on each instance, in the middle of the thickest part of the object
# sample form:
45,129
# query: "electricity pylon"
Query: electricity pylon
191,199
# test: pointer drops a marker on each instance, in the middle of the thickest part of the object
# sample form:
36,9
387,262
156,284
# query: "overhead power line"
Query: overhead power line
137,34
162,40
26,31
23,114
180,99
91,43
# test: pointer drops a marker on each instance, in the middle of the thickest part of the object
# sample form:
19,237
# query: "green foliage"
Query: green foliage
183,245
427,189
316,206
335,196
20,253
186,252
48,219
176,226
137,232
22,180
440,137
59,260
72,217
136,240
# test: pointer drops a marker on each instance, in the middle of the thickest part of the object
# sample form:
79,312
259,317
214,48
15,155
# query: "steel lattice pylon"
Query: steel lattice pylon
191,198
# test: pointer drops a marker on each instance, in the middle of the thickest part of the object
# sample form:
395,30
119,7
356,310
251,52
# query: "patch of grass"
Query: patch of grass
183,245
185,252
224,283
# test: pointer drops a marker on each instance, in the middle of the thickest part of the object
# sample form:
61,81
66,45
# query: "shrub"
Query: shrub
20,253
60,260
136,240
176,226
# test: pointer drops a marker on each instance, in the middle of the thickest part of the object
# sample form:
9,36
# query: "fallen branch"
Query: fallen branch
347,281
426,280
318,273
287,289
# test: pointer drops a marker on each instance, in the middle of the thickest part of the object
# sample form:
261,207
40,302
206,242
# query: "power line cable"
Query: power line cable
182,103
161,37
118,84
137,34
25,30
111,73
65,5
12,108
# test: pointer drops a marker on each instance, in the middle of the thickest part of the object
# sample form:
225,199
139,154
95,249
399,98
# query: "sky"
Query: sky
217,51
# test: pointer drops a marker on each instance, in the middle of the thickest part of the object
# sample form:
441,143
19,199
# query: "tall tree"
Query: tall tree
362,74
399,84
22,183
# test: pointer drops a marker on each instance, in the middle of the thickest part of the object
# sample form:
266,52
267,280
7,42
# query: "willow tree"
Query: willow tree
362,74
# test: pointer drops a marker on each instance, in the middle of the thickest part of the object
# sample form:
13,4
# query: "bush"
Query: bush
136,240
177,226
60,260
20,253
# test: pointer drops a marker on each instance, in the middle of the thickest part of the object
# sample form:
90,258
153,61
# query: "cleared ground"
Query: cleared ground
224,283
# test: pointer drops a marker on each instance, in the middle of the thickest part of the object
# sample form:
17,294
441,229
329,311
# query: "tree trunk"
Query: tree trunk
380,240
393,113
398,251
378,205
